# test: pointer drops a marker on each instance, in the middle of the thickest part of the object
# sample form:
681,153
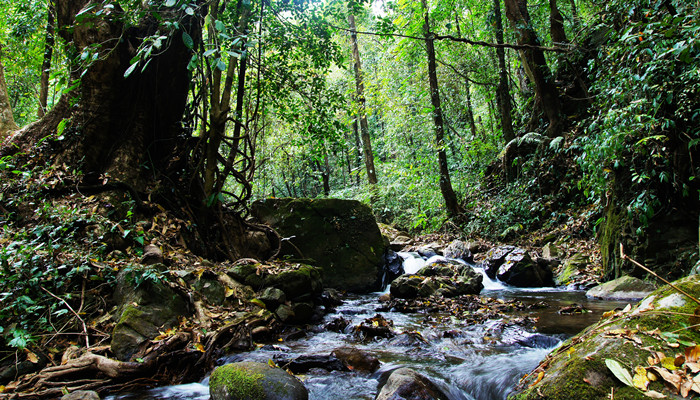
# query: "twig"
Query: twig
87,336
626,257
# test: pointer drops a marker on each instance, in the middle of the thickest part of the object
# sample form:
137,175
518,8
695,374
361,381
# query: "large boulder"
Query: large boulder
623,288
652,340
458,249
254,381
144,308
514,266
441,278
407,384
340,236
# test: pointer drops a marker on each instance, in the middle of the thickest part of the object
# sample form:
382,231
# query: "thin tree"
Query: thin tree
451,202
502,92
7,120
46,63
360,98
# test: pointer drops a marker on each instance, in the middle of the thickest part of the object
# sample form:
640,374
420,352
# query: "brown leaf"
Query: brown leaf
685,387
670,378
654,394
693,367
32,357
540,375
692,354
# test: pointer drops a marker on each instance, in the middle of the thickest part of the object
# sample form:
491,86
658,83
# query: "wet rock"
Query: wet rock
303,312
254,381
571,269
393,268
538,341
81,395
272,297
623,288
357,359
144,310
341,236
375,327
331,298
400,242
406,286
427,251
519,269
285,313
338,325
459,249
407,384
495,258
305,363
211,290
305,280
581,372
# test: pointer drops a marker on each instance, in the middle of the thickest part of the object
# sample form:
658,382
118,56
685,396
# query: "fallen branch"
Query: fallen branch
87,336
626,257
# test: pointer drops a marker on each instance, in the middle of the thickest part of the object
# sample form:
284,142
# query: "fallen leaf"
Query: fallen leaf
671,378
540,375
669,363
32,357
693,367
640,379
619,371
692,354
654,394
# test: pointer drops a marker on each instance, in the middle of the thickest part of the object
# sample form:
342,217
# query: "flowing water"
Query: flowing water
477,361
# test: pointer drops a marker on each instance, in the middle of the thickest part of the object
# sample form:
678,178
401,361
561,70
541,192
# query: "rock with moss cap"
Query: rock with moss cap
623,288
578,370
254,381
340,236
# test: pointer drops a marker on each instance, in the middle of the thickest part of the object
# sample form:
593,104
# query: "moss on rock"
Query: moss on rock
254,381
577,369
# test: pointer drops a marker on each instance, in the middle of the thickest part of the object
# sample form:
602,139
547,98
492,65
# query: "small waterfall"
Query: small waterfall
413,262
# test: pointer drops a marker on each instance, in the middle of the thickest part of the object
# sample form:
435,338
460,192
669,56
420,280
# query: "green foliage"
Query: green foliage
646,86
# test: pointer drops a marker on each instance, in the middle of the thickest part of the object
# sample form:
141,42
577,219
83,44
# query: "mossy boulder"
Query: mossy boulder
571,268
340,236
143,310
578,370
254,381
623,288
442,278
407,384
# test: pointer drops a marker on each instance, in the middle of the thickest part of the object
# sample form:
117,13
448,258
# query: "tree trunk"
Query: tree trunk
360,98
451,202
502,92
535,64
46,64
7,120
470,109
556,24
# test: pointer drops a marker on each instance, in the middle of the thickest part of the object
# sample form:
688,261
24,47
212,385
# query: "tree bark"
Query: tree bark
556,24
7,120
360,98
451,202
535,64
46,64
502,92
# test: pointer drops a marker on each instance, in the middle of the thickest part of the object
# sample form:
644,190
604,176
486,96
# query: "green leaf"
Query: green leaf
130,69
221,65
170,3
187,39
619,371
189,11
61,126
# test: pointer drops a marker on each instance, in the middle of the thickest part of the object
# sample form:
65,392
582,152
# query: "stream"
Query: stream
468,361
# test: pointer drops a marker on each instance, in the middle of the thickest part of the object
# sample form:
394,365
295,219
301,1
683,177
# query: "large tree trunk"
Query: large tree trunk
360,97
502,92
535,64
451,202
7,120
556,24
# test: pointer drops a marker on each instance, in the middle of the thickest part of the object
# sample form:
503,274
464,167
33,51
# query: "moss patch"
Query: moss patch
237,382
